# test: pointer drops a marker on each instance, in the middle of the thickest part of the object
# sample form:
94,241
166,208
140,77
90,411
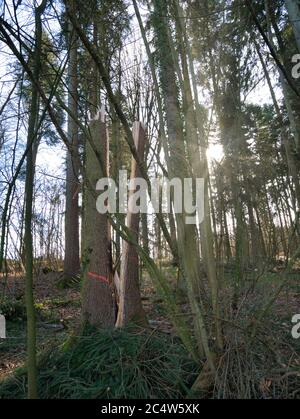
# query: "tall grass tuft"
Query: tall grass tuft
110,365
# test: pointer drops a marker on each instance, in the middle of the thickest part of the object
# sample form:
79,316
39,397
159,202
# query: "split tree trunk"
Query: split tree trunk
130,303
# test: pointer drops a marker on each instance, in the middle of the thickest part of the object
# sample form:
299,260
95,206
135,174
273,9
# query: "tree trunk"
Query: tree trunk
72,261
98,302
130,303
32,143
115,167
290,154
145,233
179,167
293,8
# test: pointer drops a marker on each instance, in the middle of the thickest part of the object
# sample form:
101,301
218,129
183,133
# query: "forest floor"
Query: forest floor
59,315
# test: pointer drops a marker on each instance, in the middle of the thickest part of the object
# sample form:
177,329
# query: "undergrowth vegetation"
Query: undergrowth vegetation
110,364
147,364
264,367
153,364
12,309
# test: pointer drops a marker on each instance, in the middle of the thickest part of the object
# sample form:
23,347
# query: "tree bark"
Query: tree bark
290,154
98,302
179,167
72,260
32,143
130,303
293,8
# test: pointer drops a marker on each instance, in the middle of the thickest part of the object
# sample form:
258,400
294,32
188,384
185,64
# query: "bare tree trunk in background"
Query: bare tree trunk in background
115,167
199,164
179,167
288,146
98,302
290,99
173,230
145,233
293,8
72,260
130,303
32,143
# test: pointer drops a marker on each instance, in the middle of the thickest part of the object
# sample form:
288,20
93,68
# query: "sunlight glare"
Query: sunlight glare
215,152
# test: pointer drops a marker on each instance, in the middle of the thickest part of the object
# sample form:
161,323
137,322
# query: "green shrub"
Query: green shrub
12,309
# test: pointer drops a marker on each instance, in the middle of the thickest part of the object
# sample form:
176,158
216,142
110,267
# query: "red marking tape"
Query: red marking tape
99,277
